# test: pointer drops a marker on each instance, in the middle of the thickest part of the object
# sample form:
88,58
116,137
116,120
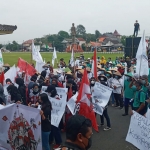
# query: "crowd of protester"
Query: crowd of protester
128,90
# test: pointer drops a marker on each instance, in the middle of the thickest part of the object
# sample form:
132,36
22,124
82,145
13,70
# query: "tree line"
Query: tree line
56,39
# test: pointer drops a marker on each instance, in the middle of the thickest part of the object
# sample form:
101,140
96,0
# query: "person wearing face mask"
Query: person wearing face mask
109,82
92,83
55,131
128,92
144,80
78,134
34,96
117,89
50,67
60,76
100,70
139,102
45,113
103,80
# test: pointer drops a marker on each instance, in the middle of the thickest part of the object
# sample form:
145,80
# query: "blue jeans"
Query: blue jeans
105,114
45,140
112,98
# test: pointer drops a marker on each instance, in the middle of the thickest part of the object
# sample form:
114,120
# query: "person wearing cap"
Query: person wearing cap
78,133
103,80
139,104
100,70
128,92
117,89
55,131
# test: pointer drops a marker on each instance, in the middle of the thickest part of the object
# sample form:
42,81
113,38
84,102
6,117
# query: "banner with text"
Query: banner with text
18,129
100,97
139,132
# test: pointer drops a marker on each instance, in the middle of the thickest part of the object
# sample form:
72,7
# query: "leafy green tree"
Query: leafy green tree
80,30
97,34
63,34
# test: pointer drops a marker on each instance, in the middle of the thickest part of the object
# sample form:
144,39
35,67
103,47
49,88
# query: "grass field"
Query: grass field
12,58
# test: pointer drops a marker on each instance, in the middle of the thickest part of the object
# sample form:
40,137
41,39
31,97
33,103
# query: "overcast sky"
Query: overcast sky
35,18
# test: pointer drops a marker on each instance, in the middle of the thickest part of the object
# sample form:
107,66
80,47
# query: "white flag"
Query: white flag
36,54
11,74
142,59
54,56
72,59
1,59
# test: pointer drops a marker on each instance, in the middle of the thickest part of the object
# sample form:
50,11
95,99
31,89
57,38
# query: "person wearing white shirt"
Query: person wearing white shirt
117,89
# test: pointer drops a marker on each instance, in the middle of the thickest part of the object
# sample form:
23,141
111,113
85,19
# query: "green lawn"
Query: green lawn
12,58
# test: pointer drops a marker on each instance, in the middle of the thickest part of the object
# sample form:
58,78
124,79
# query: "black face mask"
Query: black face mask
89,143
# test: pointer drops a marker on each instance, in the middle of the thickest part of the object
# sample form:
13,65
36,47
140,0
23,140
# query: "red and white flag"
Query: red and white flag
94,65
86,107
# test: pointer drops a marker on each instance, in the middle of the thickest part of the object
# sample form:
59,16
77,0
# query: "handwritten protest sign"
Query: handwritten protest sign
58,109
139,132
72,103
62,92
100,97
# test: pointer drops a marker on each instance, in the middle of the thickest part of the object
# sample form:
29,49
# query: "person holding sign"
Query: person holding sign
55,131
103,80
45,113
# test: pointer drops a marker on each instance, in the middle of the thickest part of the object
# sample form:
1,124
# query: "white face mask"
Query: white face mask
92,82
102,79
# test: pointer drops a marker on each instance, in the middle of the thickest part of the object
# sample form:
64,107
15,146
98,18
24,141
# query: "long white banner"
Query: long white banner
139,132
18,129
100,97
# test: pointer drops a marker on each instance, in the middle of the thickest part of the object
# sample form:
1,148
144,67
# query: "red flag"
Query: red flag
25,66
84,87
2,78
86,108
5,118
94,65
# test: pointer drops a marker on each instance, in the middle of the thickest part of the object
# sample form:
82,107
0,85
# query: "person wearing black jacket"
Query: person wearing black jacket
14,93
45,113
22,89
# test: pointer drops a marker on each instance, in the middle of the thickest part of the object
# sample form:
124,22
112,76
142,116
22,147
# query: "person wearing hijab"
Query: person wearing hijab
14,93
55,131
34,95
22,89
45,113
103,61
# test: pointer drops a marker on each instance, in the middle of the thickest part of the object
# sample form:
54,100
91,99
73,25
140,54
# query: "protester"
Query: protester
78,133
103,61
55,131
139,104
103,80
34,95
45,113
128,92
14,93
2,95
22,89
117,89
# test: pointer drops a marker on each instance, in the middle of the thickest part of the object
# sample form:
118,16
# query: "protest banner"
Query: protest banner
100,97
62,92
148,114
139,132
18,129
72,103
58,109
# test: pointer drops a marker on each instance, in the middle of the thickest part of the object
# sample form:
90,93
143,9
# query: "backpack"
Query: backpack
144,110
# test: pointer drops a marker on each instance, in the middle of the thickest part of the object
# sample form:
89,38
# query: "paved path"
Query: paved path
115,138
